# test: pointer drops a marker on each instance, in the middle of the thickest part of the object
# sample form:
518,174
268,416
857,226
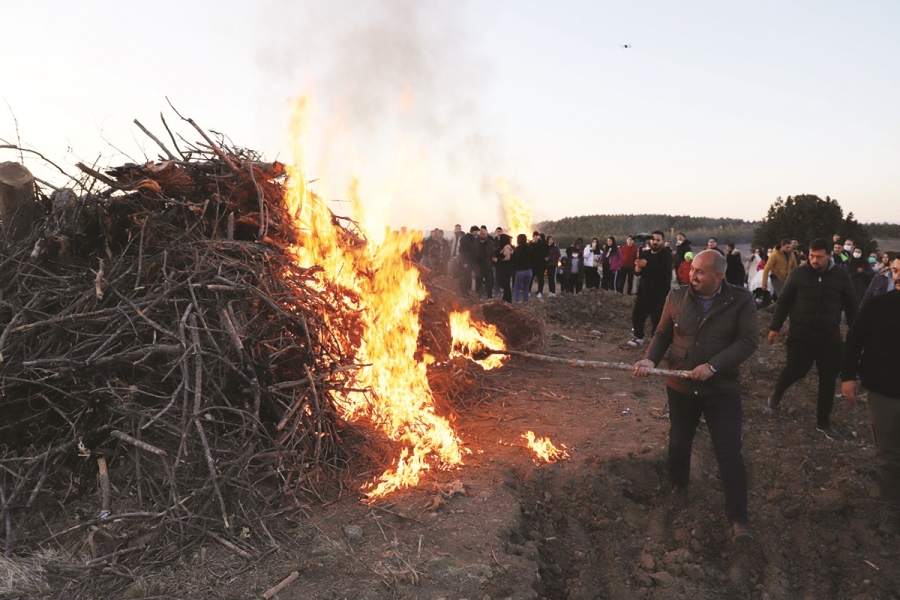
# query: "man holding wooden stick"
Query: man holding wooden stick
712,327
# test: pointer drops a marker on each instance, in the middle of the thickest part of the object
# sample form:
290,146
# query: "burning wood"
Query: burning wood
474,339
544,449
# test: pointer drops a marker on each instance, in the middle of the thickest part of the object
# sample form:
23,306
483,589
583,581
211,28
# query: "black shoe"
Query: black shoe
678,497
740,533
774,400
890,526
829,432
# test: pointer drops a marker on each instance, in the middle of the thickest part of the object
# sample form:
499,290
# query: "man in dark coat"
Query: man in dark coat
712,327
466,259
873,345
654,267
814,296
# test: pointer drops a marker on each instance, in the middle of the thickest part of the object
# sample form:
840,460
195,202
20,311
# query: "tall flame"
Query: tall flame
385,290
518,214
469,338
544,448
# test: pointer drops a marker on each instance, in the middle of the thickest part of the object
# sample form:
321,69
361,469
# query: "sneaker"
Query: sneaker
774,400
551,295
635,342
829,432
740,533
540,295
678,497
890,526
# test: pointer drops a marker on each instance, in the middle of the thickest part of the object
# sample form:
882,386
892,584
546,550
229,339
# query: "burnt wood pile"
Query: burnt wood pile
165,363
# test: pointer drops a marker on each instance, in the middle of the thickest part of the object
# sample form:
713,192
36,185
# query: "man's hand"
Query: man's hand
773,337
702,372
641,366
640,263
850,389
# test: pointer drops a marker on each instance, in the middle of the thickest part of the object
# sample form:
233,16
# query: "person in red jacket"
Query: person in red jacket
625,280
684,269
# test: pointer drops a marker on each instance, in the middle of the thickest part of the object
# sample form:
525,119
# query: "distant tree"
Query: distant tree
884,230
807,217
697,229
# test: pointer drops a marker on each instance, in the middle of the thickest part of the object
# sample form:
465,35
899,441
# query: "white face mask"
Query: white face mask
848,247
857,255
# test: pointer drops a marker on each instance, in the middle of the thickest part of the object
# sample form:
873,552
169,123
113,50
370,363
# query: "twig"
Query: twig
229,545
155,139
283,584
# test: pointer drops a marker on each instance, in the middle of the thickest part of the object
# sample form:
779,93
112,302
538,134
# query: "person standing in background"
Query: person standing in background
654,267
523,261
552,264
625,280
612,262
593,254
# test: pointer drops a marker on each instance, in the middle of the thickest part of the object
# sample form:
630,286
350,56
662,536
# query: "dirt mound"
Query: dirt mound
520,327
589,309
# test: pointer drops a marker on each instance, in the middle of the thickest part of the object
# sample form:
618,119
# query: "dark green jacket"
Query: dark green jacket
724,337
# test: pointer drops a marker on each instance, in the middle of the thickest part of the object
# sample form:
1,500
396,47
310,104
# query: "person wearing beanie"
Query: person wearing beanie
684,269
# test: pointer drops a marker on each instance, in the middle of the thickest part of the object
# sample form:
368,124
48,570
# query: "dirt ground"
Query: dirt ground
598,525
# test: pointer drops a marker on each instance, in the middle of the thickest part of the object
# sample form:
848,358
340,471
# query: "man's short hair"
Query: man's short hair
820,244
533,233
659,233
785,242
712,239
681,234
473,229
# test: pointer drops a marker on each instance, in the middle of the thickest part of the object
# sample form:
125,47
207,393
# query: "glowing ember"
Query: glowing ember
518,214
544,448
372,279
469,338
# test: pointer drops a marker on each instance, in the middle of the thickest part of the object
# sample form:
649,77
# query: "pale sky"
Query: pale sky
716,109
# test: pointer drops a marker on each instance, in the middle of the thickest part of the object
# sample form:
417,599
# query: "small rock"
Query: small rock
354,532
596,333
793,511
662,578
693,571
831,500
792,411
643,580
696,546
774,495
648,563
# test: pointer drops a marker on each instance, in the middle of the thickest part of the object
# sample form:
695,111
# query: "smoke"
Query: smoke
394,69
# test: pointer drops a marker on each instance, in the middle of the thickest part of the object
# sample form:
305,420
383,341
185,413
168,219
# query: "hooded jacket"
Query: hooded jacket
724,337
814,301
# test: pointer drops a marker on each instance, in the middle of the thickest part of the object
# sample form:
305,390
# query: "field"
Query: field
597,525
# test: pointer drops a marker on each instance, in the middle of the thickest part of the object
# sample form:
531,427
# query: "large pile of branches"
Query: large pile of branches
165,362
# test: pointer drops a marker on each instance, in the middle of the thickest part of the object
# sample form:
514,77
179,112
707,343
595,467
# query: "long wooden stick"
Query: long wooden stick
574,362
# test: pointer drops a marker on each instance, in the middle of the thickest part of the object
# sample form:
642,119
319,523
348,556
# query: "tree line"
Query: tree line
696,229
805,217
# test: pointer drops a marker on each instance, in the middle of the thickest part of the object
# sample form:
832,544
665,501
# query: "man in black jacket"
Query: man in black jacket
712,327
814,295
466,260
873,345
654,267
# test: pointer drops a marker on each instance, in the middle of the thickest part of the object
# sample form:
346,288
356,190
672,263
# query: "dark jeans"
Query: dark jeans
484,280
724,417
625,280
465,279
591,277
505,275
800,358
884,415
646,305
551,280
609,280
539,277
571,283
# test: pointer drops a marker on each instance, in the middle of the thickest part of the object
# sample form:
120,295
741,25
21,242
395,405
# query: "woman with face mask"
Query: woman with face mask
860,272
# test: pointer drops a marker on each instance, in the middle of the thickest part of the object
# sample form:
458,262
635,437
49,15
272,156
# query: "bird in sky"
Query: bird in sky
626,45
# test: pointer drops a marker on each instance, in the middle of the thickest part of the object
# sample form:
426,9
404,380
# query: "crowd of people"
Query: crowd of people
702,307
707,328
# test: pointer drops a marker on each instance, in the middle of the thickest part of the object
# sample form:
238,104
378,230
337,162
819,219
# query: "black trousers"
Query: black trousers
484,280
625,280
609,280
591,278
539,277
646,305
826,354
724,417
884,415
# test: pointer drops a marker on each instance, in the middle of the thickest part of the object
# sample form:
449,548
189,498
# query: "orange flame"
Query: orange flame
518,214
385,291
470,337
544,448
